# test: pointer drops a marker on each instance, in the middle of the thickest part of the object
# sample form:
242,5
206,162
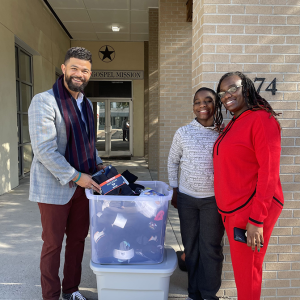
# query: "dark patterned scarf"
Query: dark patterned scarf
80,150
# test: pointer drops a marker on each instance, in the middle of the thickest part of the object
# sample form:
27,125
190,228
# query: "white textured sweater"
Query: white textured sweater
192,148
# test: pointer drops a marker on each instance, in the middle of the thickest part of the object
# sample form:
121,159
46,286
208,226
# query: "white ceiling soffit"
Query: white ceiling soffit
92,19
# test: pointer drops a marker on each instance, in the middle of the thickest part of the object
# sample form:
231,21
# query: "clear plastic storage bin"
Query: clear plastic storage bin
129,229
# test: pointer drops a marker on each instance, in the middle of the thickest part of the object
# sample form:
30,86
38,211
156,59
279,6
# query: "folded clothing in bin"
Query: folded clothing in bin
129,230
124,253
126,237
131,178
149,208
111,182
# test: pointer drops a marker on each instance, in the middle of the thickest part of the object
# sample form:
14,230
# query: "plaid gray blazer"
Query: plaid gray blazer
50,173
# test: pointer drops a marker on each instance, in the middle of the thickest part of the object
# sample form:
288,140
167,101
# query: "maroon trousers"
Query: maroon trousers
247,264
71,219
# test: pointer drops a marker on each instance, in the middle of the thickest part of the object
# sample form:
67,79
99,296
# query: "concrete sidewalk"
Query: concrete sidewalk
20,244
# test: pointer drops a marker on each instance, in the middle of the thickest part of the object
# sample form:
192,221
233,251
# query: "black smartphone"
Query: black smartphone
239,235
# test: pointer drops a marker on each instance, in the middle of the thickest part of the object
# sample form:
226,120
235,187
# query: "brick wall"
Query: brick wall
153,90
175,75
260,38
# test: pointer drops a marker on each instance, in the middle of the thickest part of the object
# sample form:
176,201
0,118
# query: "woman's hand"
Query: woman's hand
254,236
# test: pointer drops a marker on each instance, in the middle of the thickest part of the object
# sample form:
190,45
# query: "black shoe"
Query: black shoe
73,296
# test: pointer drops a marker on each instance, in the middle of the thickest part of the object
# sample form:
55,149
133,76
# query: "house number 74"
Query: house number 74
270,88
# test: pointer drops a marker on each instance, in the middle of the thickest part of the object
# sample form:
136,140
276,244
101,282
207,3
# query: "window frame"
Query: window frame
19,108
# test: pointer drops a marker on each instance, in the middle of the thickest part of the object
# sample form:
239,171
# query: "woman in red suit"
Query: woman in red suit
247,184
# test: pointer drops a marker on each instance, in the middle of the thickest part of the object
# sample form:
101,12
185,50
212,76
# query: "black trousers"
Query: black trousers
126,134
202,232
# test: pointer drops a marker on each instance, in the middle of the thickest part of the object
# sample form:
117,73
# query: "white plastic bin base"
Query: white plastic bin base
135,282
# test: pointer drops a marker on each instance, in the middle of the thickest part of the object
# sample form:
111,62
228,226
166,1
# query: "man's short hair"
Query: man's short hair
80,53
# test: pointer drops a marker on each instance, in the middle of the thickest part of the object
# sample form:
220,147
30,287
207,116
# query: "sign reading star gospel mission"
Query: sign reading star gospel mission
131,75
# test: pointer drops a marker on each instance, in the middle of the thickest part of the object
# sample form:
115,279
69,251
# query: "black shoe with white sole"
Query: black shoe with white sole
73,296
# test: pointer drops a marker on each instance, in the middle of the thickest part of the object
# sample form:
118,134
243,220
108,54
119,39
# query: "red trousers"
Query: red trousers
247,264
71,219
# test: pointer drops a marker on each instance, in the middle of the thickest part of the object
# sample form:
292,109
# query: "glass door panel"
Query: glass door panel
100,130
113,127
119,118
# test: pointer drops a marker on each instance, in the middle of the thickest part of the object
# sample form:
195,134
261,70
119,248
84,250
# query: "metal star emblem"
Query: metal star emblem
106,53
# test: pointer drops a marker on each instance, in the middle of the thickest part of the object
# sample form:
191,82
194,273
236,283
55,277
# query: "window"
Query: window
24,96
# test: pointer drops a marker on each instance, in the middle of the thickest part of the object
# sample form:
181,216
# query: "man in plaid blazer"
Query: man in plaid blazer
55,183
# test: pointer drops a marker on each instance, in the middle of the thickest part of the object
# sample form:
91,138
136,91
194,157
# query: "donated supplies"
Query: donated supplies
129,229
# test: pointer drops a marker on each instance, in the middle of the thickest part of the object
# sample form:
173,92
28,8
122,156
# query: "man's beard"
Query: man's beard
73,87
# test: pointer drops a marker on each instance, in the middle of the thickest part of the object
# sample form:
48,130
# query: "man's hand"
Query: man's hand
100,167
87,182
255,236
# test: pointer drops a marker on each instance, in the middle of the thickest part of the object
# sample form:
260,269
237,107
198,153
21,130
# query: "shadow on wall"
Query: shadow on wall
5,165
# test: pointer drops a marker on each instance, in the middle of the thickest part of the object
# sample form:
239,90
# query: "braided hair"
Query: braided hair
253,100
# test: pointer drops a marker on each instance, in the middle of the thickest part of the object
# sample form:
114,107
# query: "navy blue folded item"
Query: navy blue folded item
129,176
112,192
126,190
110,181
139,257
105,174
142,240
99,178
110,171
104,246
113,188
102,220
153,251
137,188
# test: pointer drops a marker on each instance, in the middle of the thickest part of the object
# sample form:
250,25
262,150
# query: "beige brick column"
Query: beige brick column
146,100
175,89
260,38
153,92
